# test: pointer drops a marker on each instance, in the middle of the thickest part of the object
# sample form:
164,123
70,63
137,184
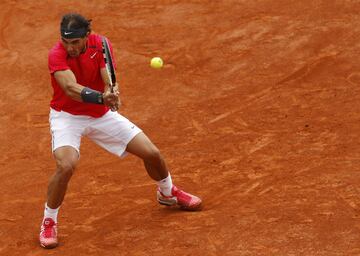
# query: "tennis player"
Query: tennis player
83,105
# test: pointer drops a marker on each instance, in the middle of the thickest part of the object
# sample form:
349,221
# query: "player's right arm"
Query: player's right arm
67,81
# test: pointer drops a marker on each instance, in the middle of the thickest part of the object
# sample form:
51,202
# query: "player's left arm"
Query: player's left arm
107,89
106,81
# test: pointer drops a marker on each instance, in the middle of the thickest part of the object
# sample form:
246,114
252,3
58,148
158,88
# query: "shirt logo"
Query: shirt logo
68,33
92,56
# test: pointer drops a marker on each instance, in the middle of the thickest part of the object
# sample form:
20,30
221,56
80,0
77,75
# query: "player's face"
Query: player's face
75,46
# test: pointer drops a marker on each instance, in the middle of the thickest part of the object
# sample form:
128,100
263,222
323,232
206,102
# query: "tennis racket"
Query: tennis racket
109,63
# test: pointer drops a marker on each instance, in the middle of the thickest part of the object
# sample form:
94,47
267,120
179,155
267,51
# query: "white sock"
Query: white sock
165,185
51,213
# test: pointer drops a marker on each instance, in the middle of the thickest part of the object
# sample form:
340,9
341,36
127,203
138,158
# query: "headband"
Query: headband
73,33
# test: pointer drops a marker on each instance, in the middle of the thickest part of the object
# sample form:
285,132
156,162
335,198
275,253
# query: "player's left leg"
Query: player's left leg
119,136
142,147
155,165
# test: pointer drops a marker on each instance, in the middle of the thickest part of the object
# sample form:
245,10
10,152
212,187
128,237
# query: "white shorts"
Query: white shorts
112,131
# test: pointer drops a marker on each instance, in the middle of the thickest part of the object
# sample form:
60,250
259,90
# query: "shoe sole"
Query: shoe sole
167,202
49,246
192,208
182,207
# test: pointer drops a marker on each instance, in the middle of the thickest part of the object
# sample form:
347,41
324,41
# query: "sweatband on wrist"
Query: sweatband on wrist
91,96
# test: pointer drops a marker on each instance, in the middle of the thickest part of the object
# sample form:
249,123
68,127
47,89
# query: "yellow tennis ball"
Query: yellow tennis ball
156,62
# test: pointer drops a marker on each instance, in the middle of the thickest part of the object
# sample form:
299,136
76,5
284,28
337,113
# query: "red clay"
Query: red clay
256,111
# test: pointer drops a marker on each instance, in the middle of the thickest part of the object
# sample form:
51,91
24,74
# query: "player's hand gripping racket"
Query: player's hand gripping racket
109,63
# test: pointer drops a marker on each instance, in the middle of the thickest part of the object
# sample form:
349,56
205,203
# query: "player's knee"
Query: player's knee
153,155
65,169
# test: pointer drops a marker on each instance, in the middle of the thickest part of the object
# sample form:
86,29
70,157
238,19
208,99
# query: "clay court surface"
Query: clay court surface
257,110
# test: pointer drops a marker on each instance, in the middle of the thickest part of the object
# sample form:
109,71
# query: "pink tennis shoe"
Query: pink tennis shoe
179,197
48,234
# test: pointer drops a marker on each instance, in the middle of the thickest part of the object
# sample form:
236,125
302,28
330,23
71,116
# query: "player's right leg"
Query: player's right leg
66,159
66,131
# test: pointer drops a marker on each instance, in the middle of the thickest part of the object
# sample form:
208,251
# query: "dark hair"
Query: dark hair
75,21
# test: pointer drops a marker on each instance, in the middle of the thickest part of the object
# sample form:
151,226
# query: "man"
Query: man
83,105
